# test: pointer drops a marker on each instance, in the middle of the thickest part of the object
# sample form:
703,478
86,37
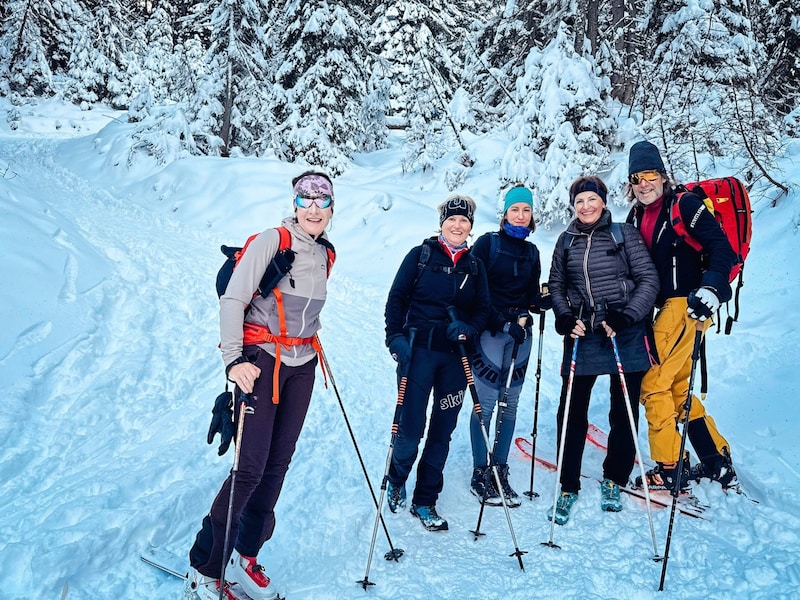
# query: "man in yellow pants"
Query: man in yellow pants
693,283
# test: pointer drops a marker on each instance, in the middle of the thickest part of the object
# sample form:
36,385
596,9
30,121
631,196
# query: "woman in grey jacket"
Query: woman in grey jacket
269,352
603,284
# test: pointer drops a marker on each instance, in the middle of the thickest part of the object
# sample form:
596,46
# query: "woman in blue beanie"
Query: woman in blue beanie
513,270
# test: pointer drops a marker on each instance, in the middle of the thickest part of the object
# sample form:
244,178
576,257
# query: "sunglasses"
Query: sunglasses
320,201
650,176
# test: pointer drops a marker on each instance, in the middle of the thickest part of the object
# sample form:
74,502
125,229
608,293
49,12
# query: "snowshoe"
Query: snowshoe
396,497
512,498
564,505
482,486
429,517
609,496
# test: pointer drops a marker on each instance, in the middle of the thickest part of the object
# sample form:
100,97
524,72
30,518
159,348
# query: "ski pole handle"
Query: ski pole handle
451,312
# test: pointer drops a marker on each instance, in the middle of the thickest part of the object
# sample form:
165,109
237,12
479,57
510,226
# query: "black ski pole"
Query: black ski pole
451,311
393,553
244,409
501,407
534,432
562,444
398,410
676,490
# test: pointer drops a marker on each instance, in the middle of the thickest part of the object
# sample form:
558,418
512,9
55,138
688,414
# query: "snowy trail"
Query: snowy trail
76,460
109,369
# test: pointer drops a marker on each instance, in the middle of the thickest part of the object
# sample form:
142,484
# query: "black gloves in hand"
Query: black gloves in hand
222,422
703,303
458,331
516,331
565,323
543,302
400,350
618,320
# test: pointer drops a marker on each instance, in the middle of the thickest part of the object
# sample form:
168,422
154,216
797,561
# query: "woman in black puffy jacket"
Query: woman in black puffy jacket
603,284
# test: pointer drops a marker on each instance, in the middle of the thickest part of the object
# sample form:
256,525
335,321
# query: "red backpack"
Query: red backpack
727,199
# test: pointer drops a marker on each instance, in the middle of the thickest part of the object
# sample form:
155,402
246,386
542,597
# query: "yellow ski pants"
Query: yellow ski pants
666,385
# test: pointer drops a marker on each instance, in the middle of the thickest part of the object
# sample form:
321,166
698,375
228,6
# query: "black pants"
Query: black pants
442,372
621,450
268,442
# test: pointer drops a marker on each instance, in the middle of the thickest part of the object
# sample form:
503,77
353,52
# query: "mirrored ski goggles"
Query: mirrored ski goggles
306,202
650,176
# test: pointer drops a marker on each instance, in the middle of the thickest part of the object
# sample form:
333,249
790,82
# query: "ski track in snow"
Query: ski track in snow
81,502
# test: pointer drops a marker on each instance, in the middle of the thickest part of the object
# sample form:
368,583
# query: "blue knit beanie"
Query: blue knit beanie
644,156
518,193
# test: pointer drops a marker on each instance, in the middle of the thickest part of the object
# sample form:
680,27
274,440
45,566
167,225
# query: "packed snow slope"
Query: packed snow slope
109,368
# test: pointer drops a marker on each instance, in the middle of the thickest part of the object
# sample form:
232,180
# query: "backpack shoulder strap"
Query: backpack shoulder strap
284,238
676,220
494,249
331,251
616,234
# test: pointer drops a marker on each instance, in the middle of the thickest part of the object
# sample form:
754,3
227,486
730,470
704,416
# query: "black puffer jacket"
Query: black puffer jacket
591,271
682,269
420,299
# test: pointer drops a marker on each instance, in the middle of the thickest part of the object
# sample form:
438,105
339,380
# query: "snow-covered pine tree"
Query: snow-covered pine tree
780,34
229,97
24,41
701,94
494,58
99,58
562,129
320,89
159,55
404,33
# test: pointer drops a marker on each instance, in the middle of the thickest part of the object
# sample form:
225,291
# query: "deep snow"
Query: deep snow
109,368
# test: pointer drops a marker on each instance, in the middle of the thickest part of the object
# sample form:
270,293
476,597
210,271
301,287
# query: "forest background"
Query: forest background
712,82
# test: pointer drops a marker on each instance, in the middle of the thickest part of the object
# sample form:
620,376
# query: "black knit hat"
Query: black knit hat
457,205
644,156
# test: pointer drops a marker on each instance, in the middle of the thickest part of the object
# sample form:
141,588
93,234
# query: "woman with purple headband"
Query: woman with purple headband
603,285
269,352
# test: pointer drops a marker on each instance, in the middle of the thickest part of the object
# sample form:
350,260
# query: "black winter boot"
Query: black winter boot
512,498
482,486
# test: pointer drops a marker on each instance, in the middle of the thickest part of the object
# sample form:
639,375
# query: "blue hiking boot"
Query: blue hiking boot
396,497
609,496
429,517
564,505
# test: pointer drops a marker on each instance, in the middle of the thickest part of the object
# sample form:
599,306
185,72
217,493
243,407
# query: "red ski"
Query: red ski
687,504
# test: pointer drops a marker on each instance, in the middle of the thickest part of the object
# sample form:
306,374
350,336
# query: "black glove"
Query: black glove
458,331
543,302
618,320
222,422
565,323
703,303
400,350
516,331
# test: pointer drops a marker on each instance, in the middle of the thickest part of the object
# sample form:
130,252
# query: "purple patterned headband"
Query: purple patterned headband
313,186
